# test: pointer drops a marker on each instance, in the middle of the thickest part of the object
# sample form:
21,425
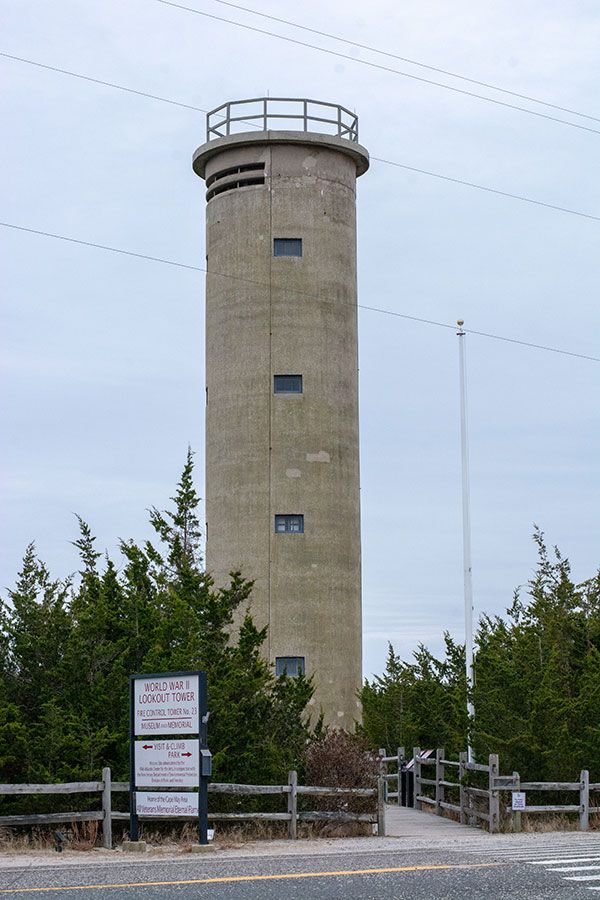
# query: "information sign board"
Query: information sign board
168,753
166,704
149,803
518,800
167,763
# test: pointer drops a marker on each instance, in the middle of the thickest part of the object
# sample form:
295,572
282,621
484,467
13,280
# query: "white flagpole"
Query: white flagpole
466,515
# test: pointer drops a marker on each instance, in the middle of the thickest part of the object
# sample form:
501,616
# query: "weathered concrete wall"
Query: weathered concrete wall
269,453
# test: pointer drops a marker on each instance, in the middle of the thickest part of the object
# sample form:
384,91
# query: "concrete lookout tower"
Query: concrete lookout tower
282,469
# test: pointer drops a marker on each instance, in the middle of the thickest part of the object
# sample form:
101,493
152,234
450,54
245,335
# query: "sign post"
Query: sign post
518,803
168,713
205,766
134,834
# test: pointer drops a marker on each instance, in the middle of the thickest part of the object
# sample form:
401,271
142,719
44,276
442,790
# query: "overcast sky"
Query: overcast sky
102,355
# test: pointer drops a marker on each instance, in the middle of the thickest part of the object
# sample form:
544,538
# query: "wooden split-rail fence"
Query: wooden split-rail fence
292,791
472,791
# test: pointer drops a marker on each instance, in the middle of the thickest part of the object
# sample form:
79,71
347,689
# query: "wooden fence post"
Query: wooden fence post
417,776
584,801
517,823
383,772
106,809
462,771
494,804
400,764
439,777
381,806
292,805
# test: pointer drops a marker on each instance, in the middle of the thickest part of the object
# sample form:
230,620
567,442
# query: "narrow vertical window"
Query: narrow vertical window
287,246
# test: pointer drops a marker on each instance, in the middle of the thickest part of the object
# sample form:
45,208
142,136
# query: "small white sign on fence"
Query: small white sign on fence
518,800
183,803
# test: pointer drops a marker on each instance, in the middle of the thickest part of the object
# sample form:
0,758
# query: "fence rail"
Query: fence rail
450,789
291,791
582,787
469,796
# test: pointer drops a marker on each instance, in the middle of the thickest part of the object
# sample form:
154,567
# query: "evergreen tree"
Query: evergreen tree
68,649
536,683
36,629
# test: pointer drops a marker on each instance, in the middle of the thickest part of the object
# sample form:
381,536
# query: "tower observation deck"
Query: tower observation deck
282,465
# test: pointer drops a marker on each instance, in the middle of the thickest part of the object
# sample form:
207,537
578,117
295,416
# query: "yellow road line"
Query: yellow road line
225,879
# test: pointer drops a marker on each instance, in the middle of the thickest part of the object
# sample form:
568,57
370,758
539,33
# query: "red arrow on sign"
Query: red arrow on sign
147,746
186,754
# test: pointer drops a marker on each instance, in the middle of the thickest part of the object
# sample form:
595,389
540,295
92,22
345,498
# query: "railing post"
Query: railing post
584,800
380,806
292,805
439,777
494,805
516,814
417,777
400,764
383,772
462,771
106,809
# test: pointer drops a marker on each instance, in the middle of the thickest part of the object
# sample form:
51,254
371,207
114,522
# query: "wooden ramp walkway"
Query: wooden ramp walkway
401,821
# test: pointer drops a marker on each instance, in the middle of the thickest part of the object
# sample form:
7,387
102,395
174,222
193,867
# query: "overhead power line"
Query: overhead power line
72,240
111,84
481,187
387,312
487,334
389,162
406,59
379,66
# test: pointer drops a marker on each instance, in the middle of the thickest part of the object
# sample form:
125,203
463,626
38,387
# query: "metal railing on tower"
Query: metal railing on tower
282,114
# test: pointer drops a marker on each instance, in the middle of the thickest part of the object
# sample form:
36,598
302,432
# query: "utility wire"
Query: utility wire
389,162
490,190
119,87
387,312
72,240
495,337
412,62
373,65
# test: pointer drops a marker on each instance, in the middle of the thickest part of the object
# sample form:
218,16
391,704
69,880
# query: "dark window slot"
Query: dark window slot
287,246
287,384
289,524
292,666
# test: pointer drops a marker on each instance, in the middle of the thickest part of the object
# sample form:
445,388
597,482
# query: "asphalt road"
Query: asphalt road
395,874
